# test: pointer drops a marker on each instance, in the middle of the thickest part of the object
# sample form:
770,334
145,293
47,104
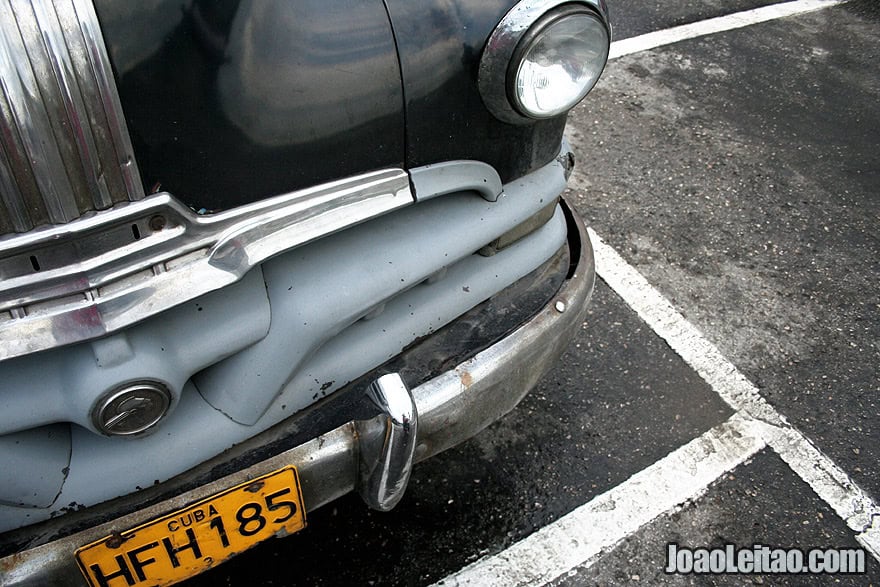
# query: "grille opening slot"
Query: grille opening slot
136,232
35,263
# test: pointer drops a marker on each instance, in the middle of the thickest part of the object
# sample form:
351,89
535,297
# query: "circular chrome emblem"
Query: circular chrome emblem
132,409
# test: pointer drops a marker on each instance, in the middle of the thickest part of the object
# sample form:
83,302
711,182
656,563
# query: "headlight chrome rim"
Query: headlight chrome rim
507,43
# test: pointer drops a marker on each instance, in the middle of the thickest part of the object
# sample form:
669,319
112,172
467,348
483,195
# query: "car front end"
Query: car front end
256,256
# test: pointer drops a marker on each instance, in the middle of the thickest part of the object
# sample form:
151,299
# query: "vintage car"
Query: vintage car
259,254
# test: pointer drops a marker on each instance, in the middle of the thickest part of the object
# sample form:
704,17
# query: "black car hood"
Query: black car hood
233,101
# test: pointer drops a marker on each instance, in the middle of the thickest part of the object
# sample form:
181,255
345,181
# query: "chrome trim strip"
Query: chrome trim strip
452,408
64,144
27,131
103,273
62,66
102,74
499,49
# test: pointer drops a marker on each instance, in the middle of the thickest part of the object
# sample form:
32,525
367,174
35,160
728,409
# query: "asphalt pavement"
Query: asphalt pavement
738,172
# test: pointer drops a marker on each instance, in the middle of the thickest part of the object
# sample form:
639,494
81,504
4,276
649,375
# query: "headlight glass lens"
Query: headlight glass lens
560,65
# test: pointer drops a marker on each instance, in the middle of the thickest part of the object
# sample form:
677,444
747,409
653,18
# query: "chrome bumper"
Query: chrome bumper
374,457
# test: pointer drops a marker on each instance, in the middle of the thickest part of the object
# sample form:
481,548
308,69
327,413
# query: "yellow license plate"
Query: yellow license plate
195,538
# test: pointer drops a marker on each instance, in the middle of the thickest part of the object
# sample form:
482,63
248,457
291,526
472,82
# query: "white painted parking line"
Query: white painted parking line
579,538
716,25
703,356
597,526
828,480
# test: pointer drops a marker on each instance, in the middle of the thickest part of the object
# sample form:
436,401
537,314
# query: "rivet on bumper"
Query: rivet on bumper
387,443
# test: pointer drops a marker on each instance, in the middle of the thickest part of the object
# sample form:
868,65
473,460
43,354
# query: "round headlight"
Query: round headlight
543,58
557,63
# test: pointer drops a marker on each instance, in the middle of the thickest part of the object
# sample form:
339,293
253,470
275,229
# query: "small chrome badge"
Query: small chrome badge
132,409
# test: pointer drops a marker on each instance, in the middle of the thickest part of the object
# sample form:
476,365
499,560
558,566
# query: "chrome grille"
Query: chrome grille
64,146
